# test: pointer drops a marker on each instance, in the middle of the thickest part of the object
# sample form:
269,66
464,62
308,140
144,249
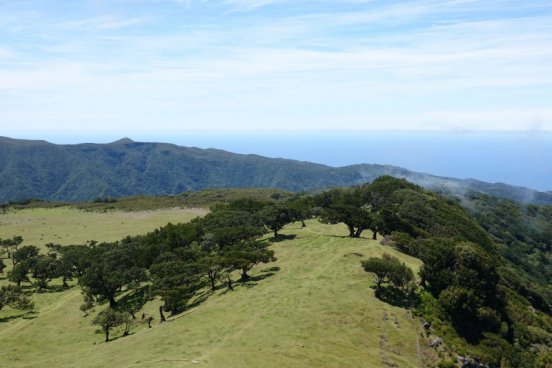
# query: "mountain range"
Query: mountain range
80,172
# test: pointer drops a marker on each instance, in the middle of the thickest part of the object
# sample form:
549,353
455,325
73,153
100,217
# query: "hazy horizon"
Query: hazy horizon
521,158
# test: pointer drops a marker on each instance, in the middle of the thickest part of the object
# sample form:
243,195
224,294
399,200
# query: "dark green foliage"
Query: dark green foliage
250,205
438,256
465,279
74,259
150,246
427,214
14,297
112,267
388,269
231,226
2,266
246,254
19,273
11,245
177,277
212,264
44,268
348,206
275,217
405,243
109,319
301,208
25,254
524,233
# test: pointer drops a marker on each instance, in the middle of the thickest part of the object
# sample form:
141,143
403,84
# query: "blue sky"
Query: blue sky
163,66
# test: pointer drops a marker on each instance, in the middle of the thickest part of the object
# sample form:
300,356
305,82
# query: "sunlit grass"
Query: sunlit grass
314,308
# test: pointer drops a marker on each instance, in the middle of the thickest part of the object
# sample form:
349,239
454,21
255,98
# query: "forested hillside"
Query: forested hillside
38,169
421,254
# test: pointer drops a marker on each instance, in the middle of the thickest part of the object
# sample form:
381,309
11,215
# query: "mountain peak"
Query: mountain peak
124,140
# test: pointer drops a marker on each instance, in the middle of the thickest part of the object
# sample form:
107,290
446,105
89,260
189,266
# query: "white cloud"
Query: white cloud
308,71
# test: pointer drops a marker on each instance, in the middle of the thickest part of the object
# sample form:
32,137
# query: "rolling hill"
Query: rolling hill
313,308
38,169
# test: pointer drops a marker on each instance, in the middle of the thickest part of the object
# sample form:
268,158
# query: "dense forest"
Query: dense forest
483,287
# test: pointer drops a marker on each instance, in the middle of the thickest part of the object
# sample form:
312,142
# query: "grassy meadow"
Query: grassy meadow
70,225
313,307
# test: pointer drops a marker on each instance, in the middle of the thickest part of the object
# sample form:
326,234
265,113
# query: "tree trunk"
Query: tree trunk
112,302
212,278
374,235
230,283
303,223
161,315
18,283
358,232
106,335
244,275
65,282
275,233
351,232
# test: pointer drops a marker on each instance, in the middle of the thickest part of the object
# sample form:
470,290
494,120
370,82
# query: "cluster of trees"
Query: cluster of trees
174,262
29,262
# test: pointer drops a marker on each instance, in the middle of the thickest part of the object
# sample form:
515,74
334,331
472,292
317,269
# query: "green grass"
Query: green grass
68,225
317,310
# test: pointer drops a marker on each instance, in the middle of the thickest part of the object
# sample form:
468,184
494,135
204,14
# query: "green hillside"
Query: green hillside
314,307
245,283
83,172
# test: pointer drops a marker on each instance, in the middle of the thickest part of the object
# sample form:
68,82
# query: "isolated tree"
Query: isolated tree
109,319
14,297
275,217
388,269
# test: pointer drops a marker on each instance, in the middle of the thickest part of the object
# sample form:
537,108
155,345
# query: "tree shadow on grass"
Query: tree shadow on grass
53,289
282,237
135,300
254,280
25,315
393,296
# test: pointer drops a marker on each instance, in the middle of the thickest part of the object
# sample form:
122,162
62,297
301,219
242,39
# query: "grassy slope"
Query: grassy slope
318,310
66,225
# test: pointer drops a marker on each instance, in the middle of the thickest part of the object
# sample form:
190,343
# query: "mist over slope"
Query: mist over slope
39,169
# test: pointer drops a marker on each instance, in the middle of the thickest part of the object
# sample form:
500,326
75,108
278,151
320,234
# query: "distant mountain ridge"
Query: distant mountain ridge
39,169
